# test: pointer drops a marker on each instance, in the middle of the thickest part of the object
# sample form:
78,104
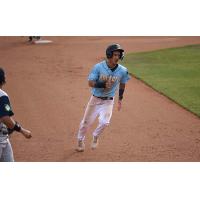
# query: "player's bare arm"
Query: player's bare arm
121,92
15,126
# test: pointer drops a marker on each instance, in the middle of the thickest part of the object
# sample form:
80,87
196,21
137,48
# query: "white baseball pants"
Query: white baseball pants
96,107
6,152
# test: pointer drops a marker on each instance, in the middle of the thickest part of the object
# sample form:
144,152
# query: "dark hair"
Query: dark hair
2,77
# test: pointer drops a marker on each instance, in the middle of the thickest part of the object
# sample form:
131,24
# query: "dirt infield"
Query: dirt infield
47,85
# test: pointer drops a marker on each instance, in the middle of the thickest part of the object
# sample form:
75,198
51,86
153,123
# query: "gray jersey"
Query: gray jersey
5,110
6,153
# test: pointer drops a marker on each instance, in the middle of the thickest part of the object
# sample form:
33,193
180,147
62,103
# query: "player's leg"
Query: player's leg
90,115
105,115
30,38
7,153
104,120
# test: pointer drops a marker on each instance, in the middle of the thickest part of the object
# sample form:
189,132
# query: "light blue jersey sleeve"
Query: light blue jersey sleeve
125,77
94,74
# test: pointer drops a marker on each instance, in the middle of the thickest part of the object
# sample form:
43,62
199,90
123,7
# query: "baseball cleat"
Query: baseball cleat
94,142
81,146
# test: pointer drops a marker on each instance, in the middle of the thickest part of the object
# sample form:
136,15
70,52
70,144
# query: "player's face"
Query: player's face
116,56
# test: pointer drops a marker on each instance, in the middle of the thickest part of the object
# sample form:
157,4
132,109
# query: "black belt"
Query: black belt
105,98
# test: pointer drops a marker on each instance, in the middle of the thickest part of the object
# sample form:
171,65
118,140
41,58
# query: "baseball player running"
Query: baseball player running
104,79
7,124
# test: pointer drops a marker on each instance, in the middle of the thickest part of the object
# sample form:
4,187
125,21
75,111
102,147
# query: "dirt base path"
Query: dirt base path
47,85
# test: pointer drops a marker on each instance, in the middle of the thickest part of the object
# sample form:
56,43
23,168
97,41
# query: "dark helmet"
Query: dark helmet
2,76
114,47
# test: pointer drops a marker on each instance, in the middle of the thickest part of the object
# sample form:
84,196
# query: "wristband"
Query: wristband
99,84
17,127
121,92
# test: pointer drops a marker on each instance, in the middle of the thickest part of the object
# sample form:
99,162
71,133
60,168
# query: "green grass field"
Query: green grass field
174,72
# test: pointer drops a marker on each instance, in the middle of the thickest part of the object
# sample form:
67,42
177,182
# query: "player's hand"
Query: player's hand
26,133
119,105
108,85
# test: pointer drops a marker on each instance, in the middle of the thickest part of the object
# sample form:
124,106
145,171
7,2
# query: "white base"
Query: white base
42,41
